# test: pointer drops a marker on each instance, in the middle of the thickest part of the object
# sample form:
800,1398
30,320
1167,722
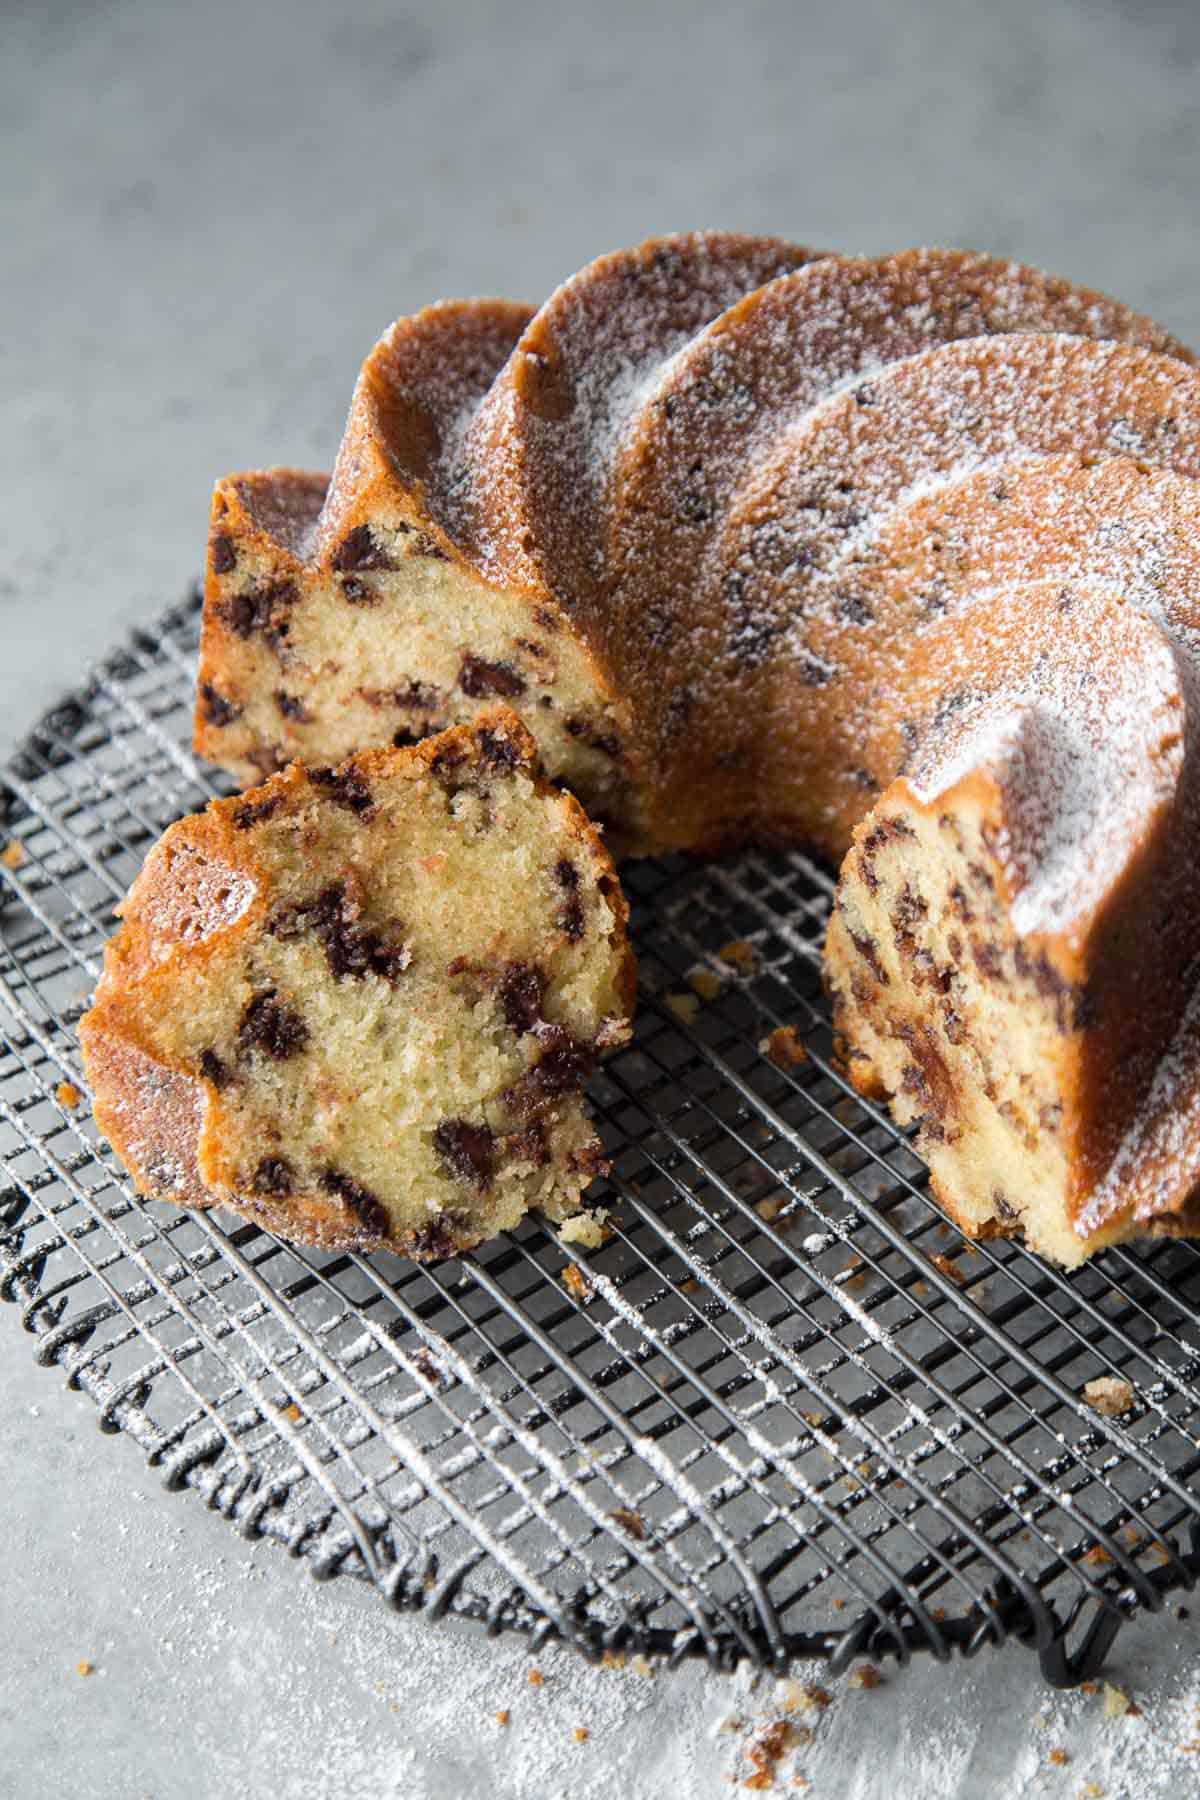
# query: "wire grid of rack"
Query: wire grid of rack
783,1411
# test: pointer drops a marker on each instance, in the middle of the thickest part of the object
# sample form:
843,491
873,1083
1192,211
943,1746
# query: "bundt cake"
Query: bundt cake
891,557
358,1003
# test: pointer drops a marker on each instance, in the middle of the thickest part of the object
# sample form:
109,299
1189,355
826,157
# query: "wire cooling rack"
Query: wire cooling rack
784,1411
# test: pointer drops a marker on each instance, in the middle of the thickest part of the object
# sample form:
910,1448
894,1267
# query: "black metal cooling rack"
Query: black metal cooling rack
784,1411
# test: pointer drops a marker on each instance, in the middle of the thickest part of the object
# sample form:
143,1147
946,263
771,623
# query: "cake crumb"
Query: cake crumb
535,1678
503,1716
739,953
770,1209
1116,1702
1092,1791
67,1094
292,1412
765,1753
949,1269
84,1667
866,1676
584,1228
1109,1395
1058,1757
581,1734
641,1665
704,982
685,1007
613,1659
783,1047
14,854
577,1283
630,1521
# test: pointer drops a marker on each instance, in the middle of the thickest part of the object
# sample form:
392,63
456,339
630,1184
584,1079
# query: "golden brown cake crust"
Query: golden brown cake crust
204,890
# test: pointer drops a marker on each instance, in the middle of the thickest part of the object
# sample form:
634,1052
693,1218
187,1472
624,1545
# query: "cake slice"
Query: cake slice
358,1004
1009,949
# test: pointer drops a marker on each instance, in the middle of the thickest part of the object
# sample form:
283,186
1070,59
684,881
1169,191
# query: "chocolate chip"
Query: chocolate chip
217,710
213,1069
438,1238
449,757
1002,1206
274,1176
292,707
499,751
271,1027
424,545
521,992
581,727
566,875
222,554
370,1212
467,1151
253,812
358,592
545,618
987,959
419,695
571,918
477,678
359,550
264,608
869,951
528,1146
352,950
560,1067
346,787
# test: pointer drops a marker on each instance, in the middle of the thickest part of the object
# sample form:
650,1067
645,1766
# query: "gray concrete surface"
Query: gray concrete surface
207,214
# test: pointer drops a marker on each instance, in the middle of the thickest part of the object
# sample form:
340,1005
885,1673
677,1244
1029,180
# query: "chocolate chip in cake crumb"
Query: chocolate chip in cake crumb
439,1238
351,948
216,707
448,758
360,550
545,618
274,1175
528,1146
367,1209
562,1064
264,607
521,993
1002,1206
987,959
222,555
571,918
213,1069
467,1151
869,951
346,787
269,1026
253,812
498,750
358,592
479,678
292,707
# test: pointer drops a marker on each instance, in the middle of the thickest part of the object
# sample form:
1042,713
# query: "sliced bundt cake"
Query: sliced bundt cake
359,1003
